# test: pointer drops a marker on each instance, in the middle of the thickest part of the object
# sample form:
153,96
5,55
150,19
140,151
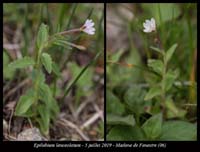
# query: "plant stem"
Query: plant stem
38,58
163,96
37,68
65,33
158,41
69,31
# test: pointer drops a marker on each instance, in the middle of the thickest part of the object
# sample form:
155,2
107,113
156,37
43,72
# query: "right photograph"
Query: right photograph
151,74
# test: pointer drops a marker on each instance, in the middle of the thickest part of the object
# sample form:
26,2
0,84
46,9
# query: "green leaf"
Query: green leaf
152,78
45,94
61,44
54,109
7,72
170,52
169,79
134,99
153,127
113,104
125,133
42,36
44,119
56,69
157,50
79,79
154,91
85,81
112,119
173,111
156,65
116,56
21,63
37,76
179,131
24,104
47,62
29,113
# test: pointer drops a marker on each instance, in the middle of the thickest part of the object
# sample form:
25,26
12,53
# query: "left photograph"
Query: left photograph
53,72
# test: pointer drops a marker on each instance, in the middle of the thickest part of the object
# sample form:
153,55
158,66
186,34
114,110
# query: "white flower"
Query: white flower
88,27
149,25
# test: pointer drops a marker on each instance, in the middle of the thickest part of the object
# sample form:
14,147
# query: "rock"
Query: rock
31,134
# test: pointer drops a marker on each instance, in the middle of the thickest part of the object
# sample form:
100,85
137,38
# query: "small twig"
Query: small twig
71,108
10,119
16,88
91,120
81,107
70,124
98,110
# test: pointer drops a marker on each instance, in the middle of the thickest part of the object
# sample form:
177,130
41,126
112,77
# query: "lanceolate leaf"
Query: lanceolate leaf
7,72
44,119
21,63
157,50
54,109
120,120
170,52
47,62
42,36
37,76
55,69
173,111
154,91
44,93
24,104
169,79
46,97
156,65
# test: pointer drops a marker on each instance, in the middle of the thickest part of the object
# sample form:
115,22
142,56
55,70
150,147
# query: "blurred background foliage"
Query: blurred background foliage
176,23
127,52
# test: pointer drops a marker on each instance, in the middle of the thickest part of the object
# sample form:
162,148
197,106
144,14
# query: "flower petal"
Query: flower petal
153,21
147,30
88,27
145,25
149,25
